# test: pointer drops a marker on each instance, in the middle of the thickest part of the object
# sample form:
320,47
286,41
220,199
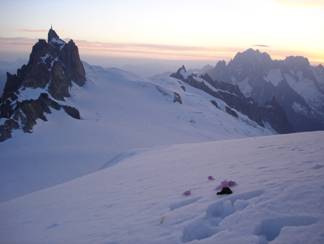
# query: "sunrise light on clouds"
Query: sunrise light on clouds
202,30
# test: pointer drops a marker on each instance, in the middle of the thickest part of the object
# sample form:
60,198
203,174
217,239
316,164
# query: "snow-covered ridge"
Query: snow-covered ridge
270,113
278,199
119,112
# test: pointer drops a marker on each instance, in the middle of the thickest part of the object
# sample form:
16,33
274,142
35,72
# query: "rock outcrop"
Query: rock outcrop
270,113
297,86
41,85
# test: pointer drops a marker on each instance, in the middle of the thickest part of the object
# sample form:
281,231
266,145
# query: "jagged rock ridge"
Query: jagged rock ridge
297,86
41,85
271,112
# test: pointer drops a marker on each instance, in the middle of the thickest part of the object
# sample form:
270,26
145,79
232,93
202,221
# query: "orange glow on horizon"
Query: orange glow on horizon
163,52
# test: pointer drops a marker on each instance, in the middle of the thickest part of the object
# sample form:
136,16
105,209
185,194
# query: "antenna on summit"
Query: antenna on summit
51,27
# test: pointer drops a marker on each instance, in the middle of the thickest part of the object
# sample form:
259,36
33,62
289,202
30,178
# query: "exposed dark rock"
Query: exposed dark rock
59,87
53,63
6,129
12,85
214,103
73,112
52,35
250,69
73,65
235,99
231,112
53,66
177,98
276,117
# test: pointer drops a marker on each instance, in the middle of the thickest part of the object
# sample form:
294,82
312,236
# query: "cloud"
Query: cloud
147,50
150,51
261,45
130,50
26,30
16,44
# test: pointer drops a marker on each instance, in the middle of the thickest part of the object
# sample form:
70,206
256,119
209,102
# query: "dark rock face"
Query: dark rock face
177,98
276,117
73,112
250,69
52,35
233,97
214,103
53,63
231,112
73,65
53,66
6,128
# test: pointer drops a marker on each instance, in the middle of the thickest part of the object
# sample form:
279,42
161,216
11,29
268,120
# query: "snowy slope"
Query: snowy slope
279,197
308,89
120,113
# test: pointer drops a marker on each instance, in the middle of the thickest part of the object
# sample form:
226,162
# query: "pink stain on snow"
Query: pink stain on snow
226,183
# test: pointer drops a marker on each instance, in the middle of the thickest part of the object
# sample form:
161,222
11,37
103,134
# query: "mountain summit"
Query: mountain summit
52,35
293,81
41,85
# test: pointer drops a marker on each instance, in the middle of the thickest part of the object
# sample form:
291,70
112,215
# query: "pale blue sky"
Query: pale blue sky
286,26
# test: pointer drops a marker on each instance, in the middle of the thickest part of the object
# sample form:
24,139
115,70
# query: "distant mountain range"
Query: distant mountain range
281,96
67,118
269,114
297,86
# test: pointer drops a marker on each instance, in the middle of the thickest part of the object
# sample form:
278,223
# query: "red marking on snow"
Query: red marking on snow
226,183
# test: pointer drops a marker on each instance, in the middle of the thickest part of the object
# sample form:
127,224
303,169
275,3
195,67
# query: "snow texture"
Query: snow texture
279,197
121,115
274,76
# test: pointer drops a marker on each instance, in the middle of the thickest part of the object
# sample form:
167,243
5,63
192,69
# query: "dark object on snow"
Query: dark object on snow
211,178
177,98
187,193
225,191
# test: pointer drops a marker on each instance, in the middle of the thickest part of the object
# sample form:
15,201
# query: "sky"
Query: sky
197,31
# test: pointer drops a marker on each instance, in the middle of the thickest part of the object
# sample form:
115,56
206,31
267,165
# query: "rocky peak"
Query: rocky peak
53,67
251,56
271,113
181,73
297,62
54,64
73,64
250,62
220,72
260,77
182,69
52,36
221,64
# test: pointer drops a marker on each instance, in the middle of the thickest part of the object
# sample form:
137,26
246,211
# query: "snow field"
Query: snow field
279,197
